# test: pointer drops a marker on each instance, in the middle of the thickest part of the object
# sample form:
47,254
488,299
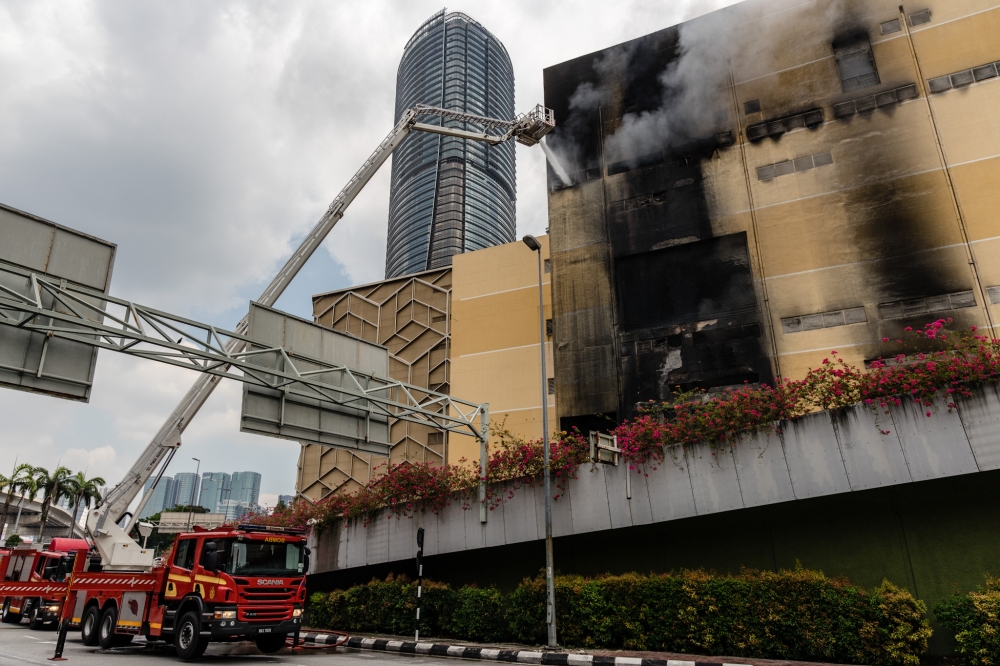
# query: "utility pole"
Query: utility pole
550,590
420,578
197,478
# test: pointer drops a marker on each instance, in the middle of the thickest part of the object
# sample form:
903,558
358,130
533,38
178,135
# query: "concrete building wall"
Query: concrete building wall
766,183
410,316
495,356
470,330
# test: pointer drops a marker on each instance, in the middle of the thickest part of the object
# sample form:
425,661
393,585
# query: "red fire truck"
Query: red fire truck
34,580
228,584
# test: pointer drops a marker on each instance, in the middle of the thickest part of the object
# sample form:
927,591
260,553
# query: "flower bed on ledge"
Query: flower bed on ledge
959,362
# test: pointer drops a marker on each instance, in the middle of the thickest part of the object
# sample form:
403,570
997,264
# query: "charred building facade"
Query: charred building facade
747,191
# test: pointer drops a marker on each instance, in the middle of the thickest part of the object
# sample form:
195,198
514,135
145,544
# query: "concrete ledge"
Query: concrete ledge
511,656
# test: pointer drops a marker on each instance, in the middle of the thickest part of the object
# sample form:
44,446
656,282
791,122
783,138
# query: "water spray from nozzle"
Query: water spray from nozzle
557,166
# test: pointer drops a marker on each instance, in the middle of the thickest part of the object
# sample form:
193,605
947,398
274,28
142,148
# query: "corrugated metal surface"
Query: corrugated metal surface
28,361
307,420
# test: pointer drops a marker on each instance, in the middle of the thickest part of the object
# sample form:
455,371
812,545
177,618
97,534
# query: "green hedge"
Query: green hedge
975,619
799,615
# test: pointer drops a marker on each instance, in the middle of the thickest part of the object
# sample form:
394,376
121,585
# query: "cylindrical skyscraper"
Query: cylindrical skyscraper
450,195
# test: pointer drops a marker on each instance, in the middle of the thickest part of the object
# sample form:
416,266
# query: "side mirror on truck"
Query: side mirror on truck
210,556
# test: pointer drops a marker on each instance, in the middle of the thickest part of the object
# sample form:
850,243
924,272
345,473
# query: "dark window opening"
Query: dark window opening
549,327
551,383
919,18
856,63
438,318
707,279
435,439
548,265
751,107
890,27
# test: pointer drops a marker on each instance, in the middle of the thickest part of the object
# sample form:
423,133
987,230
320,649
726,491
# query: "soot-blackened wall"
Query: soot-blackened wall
747,192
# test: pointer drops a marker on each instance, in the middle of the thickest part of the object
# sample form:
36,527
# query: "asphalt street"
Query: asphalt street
19,645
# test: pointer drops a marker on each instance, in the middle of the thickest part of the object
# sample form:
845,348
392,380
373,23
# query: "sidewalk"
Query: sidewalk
523,654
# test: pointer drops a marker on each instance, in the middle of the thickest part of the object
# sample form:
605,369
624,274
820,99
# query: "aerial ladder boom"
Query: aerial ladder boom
117,549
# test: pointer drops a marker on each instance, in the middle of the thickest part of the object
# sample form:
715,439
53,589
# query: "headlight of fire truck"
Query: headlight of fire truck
225,614
52,608
296,612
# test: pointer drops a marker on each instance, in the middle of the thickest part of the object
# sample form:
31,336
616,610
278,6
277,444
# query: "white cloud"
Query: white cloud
205,139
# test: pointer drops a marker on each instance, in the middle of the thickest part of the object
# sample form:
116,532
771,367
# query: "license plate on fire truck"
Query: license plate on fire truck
264,630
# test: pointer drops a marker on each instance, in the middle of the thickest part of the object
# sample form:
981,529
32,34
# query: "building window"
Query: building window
435,439
438,318
994,294
552,385
856,63
890,27
919,306
830,319
548,265
919,18
751,107
549,327
772,171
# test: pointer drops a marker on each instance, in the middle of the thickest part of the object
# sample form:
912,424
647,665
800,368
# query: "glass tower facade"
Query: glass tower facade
450,195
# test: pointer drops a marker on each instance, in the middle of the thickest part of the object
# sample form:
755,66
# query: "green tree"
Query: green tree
25,486
184,508
54,486
85,492
12,485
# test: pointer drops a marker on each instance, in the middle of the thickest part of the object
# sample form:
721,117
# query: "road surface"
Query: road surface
19,645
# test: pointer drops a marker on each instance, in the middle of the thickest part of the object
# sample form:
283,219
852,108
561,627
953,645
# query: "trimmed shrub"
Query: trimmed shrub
795,615
975,619
479,615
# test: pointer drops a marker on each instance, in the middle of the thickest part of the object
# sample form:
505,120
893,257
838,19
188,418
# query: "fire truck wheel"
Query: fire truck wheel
187,639
271,642
88,625
106,636
35,621
9,616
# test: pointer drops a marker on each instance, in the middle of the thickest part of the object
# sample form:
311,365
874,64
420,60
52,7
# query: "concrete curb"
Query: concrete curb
490,654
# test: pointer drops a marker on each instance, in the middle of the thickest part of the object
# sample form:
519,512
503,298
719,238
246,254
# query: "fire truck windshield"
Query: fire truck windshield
252,558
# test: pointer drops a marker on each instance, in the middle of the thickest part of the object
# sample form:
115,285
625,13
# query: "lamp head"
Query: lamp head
532,243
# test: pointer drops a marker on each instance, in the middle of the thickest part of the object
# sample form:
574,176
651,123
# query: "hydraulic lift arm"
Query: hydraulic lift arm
117,549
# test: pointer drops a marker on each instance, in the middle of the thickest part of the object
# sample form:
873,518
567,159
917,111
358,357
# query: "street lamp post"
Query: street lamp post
550,591
194,486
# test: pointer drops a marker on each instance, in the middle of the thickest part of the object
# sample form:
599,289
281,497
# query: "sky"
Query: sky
205,139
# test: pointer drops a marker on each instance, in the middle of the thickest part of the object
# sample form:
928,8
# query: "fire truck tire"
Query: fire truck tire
271,643
187,639
88,625
35,622
106,636
9,616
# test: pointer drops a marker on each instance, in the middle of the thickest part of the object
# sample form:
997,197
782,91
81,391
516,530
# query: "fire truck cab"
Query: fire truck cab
44,572
228,584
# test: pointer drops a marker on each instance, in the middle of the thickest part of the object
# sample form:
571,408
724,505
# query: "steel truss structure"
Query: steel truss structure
35,302
57,309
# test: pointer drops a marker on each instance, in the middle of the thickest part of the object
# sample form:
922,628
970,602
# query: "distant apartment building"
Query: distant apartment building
215,487
162,497
286,499
470,330
234,509
449,195
186,487
245,488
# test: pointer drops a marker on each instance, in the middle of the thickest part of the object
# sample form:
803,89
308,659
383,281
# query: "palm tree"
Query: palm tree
85,491
11,485
26,486
54,487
